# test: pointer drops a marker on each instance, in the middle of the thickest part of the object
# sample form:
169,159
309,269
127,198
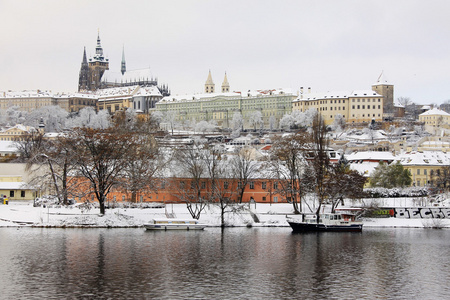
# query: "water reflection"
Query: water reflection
236,263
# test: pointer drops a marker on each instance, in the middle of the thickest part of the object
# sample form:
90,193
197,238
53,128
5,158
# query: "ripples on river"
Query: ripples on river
237,263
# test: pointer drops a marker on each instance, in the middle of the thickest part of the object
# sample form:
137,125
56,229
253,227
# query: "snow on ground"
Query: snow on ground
24,214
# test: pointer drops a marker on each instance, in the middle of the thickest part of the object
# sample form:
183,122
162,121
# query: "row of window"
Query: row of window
364,107
438,172
226,185
11,194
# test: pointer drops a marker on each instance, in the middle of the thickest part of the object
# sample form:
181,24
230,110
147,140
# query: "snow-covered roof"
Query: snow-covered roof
14,185
128,76
434,112
8,147
229,95
436,158
336,95
370,155
364,167
25,94
19,127
148,91
382,79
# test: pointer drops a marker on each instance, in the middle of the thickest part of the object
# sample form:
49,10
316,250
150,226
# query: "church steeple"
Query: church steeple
123,67
83,81
225,84
99,50
209,85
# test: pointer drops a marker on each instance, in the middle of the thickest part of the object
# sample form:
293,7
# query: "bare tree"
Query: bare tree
242,168
291,168
191,184
320,160
50,161
100,156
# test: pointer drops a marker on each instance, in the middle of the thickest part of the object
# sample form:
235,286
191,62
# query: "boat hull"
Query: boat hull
174,226
319,227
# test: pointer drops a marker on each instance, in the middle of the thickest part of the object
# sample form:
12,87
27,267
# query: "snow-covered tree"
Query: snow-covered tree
204,126
54,118
157,117
272,123
287,122
237,123
171,119
255,119
339,123
389,176
15,116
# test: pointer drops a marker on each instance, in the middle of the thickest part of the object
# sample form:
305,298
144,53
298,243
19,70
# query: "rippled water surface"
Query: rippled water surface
236,263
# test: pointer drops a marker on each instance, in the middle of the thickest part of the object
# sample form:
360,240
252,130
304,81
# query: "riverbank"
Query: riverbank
257,215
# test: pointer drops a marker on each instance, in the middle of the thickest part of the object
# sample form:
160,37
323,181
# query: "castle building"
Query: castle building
354,106
386,89
95,74
220,107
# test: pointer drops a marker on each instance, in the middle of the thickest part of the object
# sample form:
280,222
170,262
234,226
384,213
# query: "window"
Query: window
22,194
181,184
163,185
263,198
252,185
225,185
425,172
418,171
203,185
275,185
263,185
11,194
275,199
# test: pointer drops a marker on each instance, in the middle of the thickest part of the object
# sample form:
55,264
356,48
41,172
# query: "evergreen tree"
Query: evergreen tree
390,176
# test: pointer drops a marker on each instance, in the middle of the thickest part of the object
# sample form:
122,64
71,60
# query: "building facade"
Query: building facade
221,107
361,106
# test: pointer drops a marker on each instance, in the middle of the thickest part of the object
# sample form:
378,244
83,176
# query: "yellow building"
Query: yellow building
27,100
355,106
424,166
435,118
16,133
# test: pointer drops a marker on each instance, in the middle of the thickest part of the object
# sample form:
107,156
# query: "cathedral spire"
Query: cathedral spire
209,85
123,67
84,57
83,81
225,84
99,50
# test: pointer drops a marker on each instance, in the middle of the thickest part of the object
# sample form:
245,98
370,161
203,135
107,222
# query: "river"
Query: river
236,263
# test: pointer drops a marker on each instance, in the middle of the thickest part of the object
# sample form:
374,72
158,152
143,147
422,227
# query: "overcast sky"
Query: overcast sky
328,45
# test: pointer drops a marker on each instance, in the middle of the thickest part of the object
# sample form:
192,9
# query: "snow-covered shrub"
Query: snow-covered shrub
396,192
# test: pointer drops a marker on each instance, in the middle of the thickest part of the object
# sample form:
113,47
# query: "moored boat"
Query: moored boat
338,221
174,224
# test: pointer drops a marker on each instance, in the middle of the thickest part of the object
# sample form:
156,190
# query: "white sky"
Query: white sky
327,45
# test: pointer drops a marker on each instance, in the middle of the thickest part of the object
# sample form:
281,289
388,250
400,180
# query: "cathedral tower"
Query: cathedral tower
209,85
225,84
97,66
